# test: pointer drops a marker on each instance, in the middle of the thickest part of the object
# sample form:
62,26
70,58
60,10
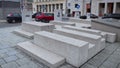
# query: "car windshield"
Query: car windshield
16,15
49,14
38,14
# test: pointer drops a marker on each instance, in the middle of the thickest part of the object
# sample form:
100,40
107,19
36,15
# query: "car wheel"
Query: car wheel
36,19
42,20
10,21
45,21
13,21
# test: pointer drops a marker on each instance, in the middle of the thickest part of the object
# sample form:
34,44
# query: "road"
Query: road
5,24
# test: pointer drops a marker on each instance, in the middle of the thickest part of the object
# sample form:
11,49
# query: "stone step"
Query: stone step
92,31
91,38
23,33
62,23
42,55
75,51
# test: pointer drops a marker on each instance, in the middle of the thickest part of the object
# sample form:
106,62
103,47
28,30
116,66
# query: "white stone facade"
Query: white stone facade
99,7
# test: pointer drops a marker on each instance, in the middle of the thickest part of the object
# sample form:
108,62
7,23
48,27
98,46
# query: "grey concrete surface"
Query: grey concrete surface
108,58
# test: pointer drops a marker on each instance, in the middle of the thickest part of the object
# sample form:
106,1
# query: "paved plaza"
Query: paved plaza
11,57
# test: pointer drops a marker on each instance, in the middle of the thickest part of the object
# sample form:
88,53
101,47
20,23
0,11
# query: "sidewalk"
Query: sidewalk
2,21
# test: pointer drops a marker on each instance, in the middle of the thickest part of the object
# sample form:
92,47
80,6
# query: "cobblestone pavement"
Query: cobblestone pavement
11,57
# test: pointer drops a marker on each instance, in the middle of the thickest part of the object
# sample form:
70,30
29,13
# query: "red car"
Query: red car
44,17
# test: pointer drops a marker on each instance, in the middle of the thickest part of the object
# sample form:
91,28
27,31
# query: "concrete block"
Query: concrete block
92,31
110,37
102,44
24,33
91,38
48,58
83,25
104,35
91,51
62,23
77,20
75,51
37,26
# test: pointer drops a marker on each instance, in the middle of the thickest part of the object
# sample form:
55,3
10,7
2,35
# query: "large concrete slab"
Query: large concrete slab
24,33
28,28
92,31
91,38
78,20
91,51
83,25
62,23
41,54
75,51
37,26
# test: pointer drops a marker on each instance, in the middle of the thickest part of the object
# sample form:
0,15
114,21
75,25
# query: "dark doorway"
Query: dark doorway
110,8
101,9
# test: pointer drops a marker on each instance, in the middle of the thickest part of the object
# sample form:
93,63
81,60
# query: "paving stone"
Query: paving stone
67,66
23,61
19,55
114,59
3,55
2,62
30,65
98,59
119,65
108,64
10,58
88,66
3,51
11,53
10,65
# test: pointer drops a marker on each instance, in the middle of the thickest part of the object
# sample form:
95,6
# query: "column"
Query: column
51,7
55,6
48,8
58,6
105,11
114,7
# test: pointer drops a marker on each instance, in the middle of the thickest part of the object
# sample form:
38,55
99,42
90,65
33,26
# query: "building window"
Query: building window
61,6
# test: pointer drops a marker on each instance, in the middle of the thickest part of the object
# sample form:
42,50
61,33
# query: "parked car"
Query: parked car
14,17
44,17
83,17
114,15
34,15
91,16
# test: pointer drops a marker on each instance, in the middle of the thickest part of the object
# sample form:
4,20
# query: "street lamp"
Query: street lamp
66,8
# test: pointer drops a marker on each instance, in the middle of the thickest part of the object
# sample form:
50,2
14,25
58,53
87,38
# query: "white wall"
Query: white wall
72,7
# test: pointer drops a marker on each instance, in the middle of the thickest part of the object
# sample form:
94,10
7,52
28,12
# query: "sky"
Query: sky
11,0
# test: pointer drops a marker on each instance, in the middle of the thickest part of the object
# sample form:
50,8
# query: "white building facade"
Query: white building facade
98,7
101,7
